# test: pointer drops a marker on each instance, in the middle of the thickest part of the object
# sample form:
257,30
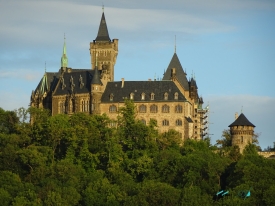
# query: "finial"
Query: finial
45,66
194,76
102,8
242,110
175,43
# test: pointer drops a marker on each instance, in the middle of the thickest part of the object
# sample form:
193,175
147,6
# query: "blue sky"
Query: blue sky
228,45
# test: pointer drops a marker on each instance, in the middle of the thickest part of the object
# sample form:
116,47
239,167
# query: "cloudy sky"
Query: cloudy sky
229,47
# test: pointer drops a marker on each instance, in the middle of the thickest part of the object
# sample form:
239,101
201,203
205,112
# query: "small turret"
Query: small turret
242,131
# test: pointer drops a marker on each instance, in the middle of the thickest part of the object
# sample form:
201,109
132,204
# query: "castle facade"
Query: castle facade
173,101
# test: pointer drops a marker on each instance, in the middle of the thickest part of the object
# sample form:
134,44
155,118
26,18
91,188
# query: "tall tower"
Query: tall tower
106,49
241,131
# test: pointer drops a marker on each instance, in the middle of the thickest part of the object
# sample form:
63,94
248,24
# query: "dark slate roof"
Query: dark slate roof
180,74
193,83
96,77
241,121
74,77
103,34
47,83
139,87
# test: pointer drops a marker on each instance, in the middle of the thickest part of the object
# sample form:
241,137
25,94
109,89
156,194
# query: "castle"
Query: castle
173,101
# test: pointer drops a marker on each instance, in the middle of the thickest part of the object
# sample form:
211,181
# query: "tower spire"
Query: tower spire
103,34
64,59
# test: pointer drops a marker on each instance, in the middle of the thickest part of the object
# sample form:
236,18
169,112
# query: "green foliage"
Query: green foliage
80,160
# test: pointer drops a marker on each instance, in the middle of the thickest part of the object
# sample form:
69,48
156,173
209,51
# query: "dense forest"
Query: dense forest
81,160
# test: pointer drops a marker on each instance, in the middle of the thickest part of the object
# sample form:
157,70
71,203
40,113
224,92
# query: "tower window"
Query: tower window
142,108
112,109
178,122
165,108
153,108
165,122
178,109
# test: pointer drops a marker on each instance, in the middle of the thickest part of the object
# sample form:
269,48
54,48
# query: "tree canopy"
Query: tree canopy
82,160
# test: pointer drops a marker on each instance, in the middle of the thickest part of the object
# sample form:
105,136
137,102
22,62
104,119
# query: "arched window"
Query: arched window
165,96
165,108
62,107
132,96
176,96
241,139
112,109
178,109
165,122
153,108
142,108
178,122
143,121
82,105
143,96
112,123
152,96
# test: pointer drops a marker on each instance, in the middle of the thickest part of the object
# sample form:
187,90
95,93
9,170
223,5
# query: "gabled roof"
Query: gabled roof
241,121
47,83
180,74
158,88
103,34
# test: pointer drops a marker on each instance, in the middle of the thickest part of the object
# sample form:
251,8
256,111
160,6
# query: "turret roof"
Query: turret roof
180,74
103,34
241,121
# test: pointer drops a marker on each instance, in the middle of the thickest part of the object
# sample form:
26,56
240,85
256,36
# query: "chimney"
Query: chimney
236,115
122,82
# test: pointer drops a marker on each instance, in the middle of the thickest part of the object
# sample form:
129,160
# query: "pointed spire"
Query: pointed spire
103,34
64,59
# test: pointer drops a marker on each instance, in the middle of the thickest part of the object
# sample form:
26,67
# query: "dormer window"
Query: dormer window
111,97
165,96
152,96
132,96
176,96
143,96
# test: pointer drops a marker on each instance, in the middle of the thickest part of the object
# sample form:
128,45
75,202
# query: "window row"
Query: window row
68,106
153,109
152,96
166,122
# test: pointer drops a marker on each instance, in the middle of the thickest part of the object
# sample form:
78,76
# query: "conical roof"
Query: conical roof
96,77
241,121
180,74
103,34
193,82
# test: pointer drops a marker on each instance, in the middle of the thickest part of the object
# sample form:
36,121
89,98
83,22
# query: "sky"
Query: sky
227,45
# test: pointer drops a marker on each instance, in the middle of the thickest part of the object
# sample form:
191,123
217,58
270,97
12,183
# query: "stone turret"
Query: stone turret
242,131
